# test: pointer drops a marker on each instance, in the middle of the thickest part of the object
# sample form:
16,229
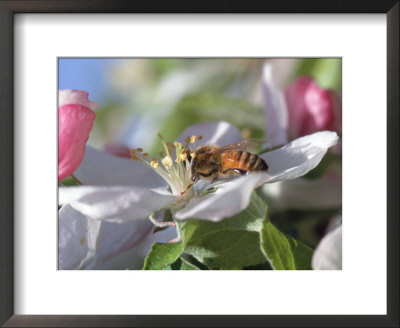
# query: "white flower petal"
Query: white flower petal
301,193
230,198
75,234
92,244
275,110
328,254
299,156
115,204
102,169
214,133
134,257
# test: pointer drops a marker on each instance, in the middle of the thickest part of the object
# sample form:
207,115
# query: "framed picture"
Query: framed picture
232,133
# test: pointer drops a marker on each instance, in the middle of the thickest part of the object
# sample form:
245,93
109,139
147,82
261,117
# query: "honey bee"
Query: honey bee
213,162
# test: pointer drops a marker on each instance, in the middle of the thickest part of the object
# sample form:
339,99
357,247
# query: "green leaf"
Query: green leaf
187,265
69,181
232,243
191,261
163,255
284,252
246,240
181,264
304,225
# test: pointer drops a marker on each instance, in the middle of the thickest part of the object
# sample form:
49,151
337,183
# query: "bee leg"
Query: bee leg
195,177
235,172
241,172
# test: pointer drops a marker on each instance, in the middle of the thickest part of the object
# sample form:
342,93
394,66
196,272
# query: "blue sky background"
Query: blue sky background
89,74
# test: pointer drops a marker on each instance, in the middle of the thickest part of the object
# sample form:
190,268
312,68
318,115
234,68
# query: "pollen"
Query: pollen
193,139
134,156
167,161
176,173
183,155
154,164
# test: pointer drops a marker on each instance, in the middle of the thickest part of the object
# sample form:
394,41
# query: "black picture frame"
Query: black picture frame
11,7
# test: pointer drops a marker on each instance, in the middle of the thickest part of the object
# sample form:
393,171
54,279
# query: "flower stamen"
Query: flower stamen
154,164
183,155
167,162
174,166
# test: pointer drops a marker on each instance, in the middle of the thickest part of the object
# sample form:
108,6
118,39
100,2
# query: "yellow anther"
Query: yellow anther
154,164
193,139
183,155
134,156
167,161
139,149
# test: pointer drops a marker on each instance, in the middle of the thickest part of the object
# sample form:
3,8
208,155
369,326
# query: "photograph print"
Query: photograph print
199,163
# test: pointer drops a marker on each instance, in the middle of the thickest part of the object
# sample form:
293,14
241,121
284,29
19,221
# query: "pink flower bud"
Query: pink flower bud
311,108
75,121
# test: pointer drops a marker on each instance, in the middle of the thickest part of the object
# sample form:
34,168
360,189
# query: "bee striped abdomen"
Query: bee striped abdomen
260,165
256,163
230,160
242,161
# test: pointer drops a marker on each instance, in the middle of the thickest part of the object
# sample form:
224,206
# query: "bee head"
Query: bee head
204,164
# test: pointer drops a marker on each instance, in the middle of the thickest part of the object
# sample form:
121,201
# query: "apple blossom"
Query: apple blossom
118,190
75,121
100,226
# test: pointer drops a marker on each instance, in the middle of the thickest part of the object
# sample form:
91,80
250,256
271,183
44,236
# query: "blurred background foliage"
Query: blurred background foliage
139,98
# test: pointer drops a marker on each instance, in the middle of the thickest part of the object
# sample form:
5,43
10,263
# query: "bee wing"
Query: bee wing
244,144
